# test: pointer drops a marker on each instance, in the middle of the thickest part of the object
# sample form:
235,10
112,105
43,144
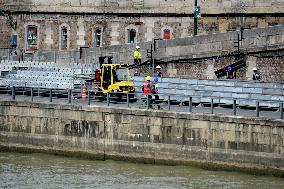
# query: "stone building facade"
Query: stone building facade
71,24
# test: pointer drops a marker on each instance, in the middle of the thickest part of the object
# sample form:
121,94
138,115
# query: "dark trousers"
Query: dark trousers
137,61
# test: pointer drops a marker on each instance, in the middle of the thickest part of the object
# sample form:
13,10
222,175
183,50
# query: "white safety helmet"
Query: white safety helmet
137,47
254,69
158,67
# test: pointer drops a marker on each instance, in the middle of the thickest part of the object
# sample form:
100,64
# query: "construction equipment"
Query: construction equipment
114,78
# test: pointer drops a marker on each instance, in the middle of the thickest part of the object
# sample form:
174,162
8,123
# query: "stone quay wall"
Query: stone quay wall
253,145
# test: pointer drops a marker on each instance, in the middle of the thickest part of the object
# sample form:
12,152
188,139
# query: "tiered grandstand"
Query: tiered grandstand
45,75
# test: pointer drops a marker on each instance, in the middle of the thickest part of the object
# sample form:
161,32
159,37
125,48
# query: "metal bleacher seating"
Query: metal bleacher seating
246,93
48,75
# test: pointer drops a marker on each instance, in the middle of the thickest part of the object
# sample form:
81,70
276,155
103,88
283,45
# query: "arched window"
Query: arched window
131,35
64,38
32,38
98,37
167,34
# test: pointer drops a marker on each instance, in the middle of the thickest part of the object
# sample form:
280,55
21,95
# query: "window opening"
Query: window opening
64,38
131,35
167,34
32,38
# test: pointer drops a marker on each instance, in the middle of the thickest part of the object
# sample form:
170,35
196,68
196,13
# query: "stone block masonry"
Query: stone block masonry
149,18
210,141
255,43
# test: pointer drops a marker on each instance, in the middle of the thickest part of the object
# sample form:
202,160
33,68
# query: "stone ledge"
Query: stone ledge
152,113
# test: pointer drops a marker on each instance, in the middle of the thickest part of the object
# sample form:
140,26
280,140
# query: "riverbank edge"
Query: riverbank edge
212,166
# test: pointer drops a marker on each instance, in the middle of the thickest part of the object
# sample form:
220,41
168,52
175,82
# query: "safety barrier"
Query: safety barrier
139,100
246,91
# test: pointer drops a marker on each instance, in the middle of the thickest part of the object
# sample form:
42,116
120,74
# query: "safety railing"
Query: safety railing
188,103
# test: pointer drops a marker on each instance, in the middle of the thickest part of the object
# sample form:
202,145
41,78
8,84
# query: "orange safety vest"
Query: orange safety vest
146,88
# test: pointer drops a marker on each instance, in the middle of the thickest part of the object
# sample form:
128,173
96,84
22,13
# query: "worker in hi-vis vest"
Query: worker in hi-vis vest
147,86
137,55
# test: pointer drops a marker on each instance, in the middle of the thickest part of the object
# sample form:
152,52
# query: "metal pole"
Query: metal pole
169,103
235,107
148,102
107,99
85,58
190,104
8,54
13,93
50,95
127,100
195,19
153,58
24,54
32,94
54,54
281,110
257,108
212,106
69,96
89,98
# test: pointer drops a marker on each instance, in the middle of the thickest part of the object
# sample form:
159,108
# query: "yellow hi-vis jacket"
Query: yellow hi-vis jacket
137,55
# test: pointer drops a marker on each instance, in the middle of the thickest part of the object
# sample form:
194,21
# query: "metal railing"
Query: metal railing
141,101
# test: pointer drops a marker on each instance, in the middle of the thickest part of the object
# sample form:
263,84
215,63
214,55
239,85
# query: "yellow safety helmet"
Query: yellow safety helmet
148,78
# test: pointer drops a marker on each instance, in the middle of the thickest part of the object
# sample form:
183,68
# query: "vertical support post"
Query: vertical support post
85,58
127,100
54,56
69,96
238,43
24,54
8,54
32,94
190,104
212,106
235,107
281,110
89,98
257,108
13,93
169,103
148,101
107,99
50,95
195,19
153,58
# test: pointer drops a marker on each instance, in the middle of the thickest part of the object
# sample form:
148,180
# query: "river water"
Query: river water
47,171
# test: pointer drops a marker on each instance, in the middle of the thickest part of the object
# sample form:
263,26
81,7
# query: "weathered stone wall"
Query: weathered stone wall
147,6
148,17
149,136
115,28
5,33
204,47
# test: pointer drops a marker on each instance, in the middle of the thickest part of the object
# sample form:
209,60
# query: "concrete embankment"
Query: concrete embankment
252,145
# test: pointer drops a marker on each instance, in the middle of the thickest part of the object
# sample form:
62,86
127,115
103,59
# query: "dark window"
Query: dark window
98,37
32,38
131,35
64,38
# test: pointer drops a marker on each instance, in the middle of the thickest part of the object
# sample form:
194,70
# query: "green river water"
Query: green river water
47,171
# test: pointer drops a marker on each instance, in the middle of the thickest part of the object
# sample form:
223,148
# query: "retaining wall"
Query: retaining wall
249,144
